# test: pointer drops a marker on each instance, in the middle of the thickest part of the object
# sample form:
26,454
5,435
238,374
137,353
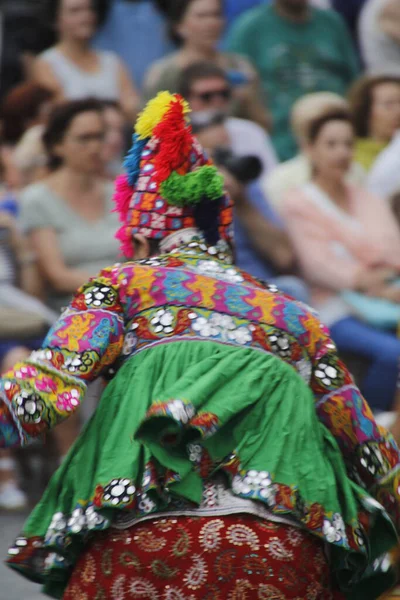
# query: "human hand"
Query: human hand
233,186
373,281
390,293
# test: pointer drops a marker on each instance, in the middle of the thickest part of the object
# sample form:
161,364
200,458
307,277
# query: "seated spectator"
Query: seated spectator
72,70
115,139
68,216
347,239
297,171
375,106
379,33
208,90
234,8
297,50
24,112
196,27
384,177
147,21
262,247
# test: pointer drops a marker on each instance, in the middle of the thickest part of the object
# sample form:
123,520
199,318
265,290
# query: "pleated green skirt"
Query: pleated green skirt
177,413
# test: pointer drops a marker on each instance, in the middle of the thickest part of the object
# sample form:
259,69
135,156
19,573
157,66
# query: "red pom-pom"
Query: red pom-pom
122,197
176,142
124,235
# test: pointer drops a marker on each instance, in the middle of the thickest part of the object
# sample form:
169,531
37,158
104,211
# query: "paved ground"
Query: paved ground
12,585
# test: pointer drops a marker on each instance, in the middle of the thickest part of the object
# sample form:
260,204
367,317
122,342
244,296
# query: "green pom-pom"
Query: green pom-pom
184,190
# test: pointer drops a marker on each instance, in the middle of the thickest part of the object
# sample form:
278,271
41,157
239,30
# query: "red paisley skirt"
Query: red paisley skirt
237,557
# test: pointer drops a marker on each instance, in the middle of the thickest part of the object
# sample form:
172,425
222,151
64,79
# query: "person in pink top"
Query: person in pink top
347,239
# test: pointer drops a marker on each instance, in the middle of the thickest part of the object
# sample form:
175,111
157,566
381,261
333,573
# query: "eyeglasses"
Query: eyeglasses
86,138
207,97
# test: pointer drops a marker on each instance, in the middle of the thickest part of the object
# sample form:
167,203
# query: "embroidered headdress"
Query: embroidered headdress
169,184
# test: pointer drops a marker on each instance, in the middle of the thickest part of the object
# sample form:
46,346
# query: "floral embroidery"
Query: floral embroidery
129,343
29,407
222,326
68,401
215,269
180,410
99,296
371,459
79,362
334,531
118,492
206,423
280,345
304,369
162,321
255,484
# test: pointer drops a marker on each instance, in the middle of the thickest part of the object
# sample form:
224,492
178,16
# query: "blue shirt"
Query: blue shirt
247,257
136,31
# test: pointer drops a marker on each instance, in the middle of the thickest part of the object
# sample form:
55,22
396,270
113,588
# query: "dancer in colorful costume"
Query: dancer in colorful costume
231,455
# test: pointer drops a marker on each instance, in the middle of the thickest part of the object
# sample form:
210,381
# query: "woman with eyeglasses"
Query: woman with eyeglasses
196,26
68,216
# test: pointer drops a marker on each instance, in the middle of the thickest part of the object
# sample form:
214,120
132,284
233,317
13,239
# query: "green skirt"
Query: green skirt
176,414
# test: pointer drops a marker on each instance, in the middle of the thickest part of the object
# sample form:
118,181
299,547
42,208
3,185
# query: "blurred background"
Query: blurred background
297,101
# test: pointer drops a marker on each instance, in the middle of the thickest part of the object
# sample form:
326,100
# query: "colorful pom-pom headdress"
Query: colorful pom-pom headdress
168,178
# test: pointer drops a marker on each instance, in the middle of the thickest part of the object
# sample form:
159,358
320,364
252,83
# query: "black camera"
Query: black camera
245,168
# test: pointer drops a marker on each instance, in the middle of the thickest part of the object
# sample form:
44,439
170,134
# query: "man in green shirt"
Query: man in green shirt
297,49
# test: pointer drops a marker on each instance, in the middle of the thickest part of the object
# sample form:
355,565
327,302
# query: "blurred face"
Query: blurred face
82,148
76,19
294,7
202,23
385,111
331,153
211,93
114,134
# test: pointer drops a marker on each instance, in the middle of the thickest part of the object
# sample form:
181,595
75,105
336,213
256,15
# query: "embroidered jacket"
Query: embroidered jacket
192,293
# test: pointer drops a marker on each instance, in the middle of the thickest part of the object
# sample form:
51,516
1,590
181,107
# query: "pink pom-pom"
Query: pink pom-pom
124,235
122,196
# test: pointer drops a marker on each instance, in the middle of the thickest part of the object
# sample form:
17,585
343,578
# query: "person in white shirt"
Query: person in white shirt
379,33
298,171
384,177
208,90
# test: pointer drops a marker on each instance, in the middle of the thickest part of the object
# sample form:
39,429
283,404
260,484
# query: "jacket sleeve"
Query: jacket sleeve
371,455
46,389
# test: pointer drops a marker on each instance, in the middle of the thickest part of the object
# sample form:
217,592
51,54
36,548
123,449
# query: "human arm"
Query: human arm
44,75
129,97
48,387
389,20
270,241
311,235
63,279
250,96
28,275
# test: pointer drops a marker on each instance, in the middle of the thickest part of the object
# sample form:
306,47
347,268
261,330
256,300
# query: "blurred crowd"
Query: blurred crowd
298,102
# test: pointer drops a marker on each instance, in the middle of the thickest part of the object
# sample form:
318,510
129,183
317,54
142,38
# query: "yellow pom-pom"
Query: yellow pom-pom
154,112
